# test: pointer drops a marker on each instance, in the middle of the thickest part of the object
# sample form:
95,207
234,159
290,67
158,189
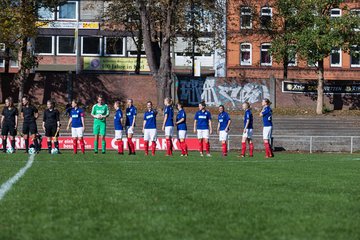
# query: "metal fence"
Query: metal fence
309,144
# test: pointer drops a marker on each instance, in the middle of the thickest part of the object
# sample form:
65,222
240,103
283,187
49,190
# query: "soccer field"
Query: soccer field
292,196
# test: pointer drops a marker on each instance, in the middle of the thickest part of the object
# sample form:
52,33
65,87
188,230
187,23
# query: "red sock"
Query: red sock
75,145
171,145
120,146
153,148
185,147
182,148
168,146
243,148
270,151
267,150
251,149
224,148
129,144
207,147
82,145
146,146
132,146
201,149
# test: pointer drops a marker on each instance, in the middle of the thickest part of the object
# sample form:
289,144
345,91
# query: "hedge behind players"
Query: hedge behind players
51,125
9,123
29,113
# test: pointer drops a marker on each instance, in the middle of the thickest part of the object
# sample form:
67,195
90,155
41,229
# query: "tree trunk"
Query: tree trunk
21,79
158,51
22,76
286,67
320,88
138,51
163,77
1,95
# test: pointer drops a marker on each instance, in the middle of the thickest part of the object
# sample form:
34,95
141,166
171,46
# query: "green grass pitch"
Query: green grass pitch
292,196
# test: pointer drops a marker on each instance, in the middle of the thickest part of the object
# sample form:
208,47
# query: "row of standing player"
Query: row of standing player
202,127
100,111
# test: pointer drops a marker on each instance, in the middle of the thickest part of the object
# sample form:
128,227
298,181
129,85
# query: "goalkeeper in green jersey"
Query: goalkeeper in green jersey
100,112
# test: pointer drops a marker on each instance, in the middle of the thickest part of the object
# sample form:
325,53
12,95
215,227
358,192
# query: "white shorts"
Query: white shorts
203,133
181,134
248,133
77,132
169,131
150,135
267,133
129,130
118,134
223,136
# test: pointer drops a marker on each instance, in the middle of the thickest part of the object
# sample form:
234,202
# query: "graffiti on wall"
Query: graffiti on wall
190,91
234,93
214,93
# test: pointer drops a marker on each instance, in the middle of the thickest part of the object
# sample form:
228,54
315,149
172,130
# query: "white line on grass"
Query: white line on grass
5,187
202,161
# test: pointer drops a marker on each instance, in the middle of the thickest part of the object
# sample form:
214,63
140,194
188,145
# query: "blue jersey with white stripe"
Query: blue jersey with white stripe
223,119
117,120
202,118
76,114
150,118
267,116
169,111
181,114
130,114
248,116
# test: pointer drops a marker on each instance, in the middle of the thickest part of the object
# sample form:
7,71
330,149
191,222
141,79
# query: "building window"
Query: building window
355,56
14,63
335,57
44,45
265,56
265,17
245,18
46,14
114,46
356,13
245,54
91,46
68,11
66,46
292,58
132,48
335,12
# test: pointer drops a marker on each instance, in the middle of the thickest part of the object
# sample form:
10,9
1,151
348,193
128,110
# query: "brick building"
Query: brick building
248,55
76,38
